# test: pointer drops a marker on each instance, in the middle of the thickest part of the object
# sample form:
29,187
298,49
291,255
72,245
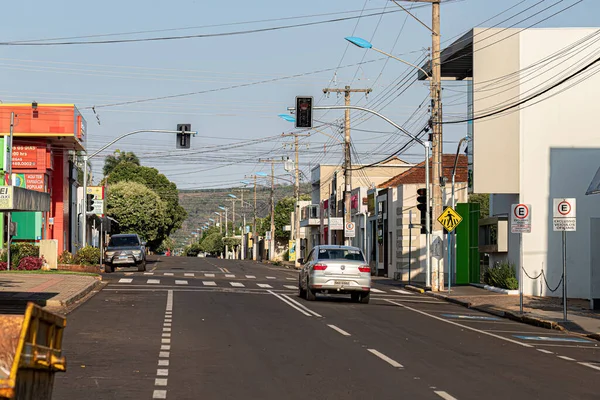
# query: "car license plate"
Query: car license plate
341,283
122,257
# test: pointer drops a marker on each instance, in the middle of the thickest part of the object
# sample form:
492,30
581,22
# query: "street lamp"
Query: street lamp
365,44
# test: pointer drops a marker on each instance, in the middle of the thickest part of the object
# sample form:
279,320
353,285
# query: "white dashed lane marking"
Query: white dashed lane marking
339,330
125,280
290,287
250,277
265,286
385,358
209,283
236,284
376,290
229,276
181,282
291,279
444,395
209,275
189,274
168,274
153,281
402,291
148,273
271,277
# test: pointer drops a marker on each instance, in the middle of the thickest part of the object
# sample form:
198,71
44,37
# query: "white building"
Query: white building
533,104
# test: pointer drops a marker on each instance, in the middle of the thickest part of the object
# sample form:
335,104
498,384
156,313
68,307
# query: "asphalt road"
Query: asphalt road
193,328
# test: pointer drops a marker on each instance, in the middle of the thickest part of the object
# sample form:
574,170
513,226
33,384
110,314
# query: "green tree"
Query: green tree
160,184
167,244
484,203
213,243
137,209
283,209
111,161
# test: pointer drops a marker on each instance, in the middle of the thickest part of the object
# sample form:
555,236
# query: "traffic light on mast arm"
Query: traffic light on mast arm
89,204
183,139
422,207
304,118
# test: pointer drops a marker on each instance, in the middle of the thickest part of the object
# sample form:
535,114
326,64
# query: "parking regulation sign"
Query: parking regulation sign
520,218
564,217
349,230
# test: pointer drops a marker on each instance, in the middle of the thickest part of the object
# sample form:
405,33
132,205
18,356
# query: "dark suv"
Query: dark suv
125,250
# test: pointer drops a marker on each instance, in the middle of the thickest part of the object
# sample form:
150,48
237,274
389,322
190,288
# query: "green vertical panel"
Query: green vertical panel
474,265
27,225
462,245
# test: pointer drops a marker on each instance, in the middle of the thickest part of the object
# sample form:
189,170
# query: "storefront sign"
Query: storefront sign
24,157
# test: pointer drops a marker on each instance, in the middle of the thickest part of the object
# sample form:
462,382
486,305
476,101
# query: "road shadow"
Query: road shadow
16,302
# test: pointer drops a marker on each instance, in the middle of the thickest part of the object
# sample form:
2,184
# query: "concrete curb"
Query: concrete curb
414,289
77,296
506,314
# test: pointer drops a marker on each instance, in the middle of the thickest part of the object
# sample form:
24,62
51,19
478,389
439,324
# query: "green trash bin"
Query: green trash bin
30,353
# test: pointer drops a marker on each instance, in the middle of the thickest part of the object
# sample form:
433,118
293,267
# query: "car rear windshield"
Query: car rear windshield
340,254
123,241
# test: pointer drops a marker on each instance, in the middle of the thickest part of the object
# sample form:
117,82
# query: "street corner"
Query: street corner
414,289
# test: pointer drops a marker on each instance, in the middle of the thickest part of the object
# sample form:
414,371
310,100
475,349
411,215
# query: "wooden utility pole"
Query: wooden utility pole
347,154
272,240
296,230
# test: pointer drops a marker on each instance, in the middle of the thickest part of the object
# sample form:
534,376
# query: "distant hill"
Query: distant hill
202,205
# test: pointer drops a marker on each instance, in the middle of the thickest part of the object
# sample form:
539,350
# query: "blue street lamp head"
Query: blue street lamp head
287,117
233,196
222,208
261,174
211,220
219,214
360,42
245,182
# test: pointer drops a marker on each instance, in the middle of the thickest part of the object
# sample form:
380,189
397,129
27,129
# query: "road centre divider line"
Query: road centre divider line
460,325
339,330
170,300
289,303
301,306
444,395
385,358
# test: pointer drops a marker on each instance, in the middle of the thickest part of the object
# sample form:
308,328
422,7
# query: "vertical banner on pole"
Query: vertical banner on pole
564,220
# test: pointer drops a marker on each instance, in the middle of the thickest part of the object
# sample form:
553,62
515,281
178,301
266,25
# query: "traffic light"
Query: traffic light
304,117
183,139
89,205
422,206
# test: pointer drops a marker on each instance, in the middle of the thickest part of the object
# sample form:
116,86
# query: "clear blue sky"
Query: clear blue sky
238,125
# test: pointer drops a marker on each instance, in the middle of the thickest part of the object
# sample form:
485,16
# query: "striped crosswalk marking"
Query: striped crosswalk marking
401,291
236,284
188,274
376,290
125,280
209,283
181,282
209,275
229,276
250,277
264,286
290,287
154,281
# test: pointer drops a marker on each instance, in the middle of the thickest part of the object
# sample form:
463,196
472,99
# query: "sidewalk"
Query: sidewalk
545,312
55,291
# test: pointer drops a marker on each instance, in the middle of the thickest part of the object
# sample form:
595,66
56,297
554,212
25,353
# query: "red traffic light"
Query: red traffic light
422,192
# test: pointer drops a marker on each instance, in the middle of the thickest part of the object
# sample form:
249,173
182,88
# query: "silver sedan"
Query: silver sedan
335,270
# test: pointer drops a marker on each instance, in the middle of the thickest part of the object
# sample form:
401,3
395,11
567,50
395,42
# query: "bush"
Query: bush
502,275
88,255
66,258
3,265
19,251
30,264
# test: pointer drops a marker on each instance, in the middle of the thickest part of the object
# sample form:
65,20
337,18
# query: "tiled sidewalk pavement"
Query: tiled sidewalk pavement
51,290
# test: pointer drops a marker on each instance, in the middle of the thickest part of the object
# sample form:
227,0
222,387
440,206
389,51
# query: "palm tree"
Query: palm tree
111,161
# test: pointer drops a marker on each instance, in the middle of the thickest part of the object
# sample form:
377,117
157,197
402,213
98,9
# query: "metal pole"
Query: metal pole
84,211
347,163
272,240
9,183
410,227
226,235
254,231
521,273
297,207
428,218
101,241
564,250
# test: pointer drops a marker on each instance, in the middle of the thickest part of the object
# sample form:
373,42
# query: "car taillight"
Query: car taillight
364,268
320,267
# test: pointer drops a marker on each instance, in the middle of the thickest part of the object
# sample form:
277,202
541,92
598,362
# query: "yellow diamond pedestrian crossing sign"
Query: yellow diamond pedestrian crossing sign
449,219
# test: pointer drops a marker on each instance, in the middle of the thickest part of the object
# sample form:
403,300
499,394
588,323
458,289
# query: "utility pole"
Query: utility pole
272,240
296,230
254,237
347,155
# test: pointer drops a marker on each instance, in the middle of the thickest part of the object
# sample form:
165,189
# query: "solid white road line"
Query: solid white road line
209,275
376,290
457,324
590,365
444,395
386,358
153,281
290,287
209,283
335,328
188,274
181,282
159,394
125,280
236,284
168,274
170,300
290,304
301,305
545,351
402,291
271,277
229,276
250,276
566,358
265,286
